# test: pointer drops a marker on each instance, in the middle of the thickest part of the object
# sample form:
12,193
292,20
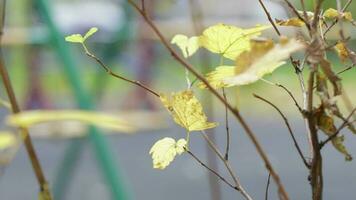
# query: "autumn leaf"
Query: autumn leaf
78,38
263,58
187,111
216,77
228,41
165,150
326,124
341,51
30,118
332,77
188,46
332,13
295,21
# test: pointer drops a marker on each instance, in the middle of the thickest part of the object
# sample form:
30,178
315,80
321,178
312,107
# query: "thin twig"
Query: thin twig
227,165
108,71
269,17
227,128
344,124
267,186
212,171
289,129
234,111
346,69
291,95
299,75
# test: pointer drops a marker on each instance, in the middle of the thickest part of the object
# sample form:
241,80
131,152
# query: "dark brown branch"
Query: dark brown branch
212,171
111,73
344,124
289,129
234,111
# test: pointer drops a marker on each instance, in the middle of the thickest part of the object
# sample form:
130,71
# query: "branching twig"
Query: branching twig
289,129
227,165
212,171
111,73
293,98
234,111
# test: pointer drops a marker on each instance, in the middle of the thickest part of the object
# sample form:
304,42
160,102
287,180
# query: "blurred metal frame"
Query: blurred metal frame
109,167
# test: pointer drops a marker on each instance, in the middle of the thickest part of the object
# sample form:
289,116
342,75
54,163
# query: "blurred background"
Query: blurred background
48,73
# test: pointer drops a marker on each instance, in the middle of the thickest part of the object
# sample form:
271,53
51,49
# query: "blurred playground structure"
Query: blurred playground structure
48,73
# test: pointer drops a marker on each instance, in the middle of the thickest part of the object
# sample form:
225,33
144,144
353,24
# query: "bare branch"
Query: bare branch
227,165
212,171
269,17
289,129
111,73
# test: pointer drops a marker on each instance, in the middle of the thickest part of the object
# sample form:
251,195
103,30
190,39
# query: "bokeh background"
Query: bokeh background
48,73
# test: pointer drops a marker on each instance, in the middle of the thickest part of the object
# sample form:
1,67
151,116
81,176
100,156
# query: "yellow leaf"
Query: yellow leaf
29,118
90,32
165,150
341,51
7,140
334,14
331,13
75,38
188,46
291,22
187,111
78,38
228,41
338,143
326,124
216,77
263,58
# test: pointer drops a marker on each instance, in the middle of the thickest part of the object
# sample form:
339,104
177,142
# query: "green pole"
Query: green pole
101,147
